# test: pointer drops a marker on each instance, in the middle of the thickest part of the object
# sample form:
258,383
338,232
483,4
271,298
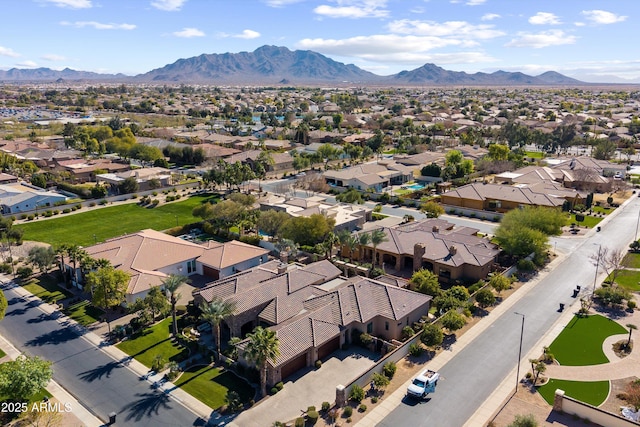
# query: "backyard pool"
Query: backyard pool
415,187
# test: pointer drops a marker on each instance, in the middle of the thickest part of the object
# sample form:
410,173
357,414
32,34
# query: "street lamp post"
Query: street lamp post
595,278
520,350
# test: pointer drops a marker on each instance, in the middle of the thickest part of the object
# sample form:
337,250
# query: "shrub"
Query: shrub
357,393
312,415
389,369
407,332
158,363
30,218
299,422
66,210
362,408
273,390
155,202
318,364
24,272
326,406
23,216
526,265
347,411
631,305
333,414
416,350
365,339
92,204
279,385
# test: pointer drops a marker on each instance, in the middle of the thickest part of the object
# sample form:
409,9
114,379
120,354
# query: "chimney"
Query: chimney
435,229
284,257
419,250
453,250
282,268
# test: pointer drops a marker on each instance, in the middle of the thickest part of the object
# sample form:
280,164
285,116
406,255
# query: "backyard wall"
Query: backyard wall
571,406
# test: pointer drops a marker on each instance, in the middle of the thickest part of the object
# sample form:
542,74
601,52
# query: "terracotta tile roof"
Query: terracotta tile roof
230,253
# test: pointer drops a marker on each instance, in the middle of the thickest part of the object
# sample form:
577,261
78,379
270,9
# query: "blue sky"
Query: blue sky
589,39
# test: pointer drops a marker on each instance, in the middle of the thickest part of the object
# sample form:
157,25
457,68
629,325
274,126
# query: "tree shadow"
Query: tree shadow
448,341
58,336
44,317
612,312
21,311
148,404
103,370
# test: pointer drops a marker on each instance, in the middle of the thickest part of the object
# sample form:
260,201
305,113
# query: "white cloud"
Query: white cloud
490,17
5,51
71,4
475,2
53,57
579,24
354,9
98,25
453,29
602,17
27,64
542,39
168,5
544,18
188,33
246,34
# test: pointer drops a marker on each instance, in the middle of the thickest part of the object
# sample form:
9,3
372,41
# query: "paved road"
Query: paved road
471,376
99,382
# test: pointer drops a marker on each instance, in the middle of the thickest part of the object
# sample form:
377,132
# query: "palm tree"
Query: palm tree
215,312
363,240
377,236
352,243
170,286
328,244
262,346
631,327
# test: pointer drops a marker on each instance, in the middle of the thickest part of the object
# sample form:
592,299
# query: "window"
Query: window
369,327
386,326
193,265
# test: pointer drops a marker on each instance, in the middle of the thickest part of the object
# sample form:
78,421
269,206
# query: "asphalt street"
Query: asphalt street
95,379
470,377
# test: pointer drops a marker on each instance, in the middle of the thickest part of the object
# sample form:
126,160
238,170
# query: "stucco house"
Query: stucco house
313,310
150,256
23,197
370,176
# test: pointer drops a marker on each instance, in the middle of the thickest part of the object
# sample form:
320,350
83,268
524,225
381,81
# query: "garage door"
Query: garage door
294,365
210,272
328,347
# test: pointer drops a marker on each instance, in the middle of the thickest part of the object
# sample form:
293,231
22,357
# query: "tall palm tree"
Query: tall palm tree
214,313
363,240
377,236
631,327
170,286
328,244
352,243
263,346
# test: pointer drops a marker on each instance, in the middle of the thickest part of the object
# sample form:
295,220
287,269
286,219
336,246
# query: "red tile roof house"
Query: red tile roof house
313,310
434,244
150,256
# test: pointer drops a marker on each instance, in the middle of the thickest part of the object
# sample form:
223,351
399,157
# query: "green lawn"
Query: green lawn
534,154
631,260
603,210
105,223
580,343
592,392
210,386
45,287
84,313
2,354
589,221
155,340
628,279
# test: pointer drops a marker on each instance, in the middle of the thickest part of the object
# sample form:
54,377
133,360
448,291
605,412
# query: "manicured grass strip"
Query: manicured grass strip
591,392
631,260
46,288
580,343
210,386
628,279
589,221
602,209
2,354
84,313
155,340
534,154
109,222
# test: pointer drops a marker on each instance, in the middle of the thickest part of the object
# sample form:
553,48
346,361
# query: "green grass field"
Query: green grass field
210,386
155,340
589,221
628,279
580,343
113,221
534,154
593,392
46,288
84,313
631,260
603,210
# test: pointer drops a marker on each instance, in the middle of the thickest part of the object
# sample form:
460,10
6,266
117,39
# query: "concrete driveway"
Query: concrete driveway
309,387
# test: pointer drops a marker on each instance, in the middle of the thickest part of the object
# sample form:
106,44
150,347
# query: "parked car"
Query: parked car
423,384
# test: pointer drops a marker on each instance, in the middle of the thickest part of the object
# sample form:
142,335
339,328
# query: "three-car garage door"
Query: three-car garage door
294,365
329,347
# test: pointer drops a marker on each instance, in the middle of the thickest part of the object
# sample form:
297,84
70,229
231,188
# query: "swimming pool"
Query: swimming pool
415,186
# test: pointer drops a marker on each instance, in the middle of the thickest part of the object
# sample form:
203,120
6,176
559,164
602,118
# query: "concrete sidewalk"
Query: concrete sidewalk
155,380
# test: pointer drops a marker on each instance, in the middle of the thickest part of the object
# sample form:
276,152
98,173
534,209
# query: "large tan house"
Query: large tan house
150,256
434,244
312,309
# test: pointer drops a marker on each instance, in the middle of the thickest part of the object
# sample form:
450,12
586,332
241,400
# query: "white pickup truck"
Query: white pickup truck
423,384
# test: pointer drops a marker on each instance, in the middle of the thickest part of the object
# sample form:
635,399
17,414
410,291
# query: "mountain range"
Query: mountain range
274,65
